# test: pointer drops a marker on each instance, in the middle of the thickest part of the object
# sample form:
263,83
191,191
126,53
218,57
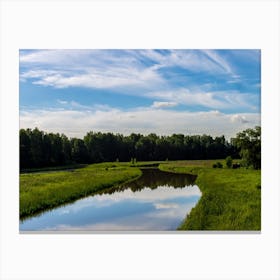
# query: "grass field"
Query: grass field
41,191
231,198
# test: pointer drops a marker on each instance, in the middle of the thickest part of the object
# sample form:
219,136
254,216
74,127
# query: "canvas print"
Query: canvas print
139,140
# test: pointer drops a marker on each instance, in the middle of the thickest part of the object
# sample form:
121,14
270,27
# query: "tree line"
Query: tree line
42,149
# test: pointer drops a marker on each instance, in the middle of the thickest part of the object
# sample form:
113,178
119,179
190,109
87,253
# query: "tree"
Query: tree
57,155
66,149
25,149
42,149
249,144
79,151
145,148
36,147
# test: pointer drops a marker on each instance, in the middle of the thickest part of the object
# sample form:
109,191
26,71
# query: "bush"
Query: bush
217,165
229,162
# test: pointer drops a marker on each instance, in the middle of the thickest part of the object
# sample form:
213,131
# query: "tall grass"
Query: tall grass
231,198
41,191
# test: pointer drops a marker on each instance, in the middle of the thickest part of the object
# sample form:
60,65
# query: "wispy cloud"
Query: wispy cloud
113,68
86,68
73,105
109,78
213,100
194,60
219,61
95,78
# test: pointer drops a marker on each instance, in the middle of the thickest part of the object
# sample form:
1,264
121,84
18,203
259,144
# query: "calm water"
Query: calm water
156,201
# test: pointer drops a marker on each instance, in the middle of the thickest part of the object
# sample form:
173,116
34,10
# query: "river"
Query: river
157,201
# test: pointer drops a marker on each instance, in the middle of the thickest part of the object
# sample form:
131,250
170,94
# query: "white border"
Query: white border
155,24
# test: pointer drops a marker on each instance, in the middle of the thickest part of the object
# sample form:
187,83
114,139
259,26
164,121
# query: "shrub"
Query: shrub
229,162
217,165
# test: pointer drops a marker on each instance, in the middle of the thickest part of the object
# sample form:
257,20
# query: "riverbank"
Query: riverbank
231,198
42,191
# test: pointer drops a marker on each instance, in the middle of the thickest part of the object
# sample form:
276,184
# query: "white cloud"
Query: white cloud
76,123
32,74
163,104
239,118
57,57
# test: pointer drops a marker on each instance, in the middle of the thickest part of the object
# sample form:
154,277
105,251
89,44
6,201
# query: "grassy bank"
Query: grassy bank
231,198
41,191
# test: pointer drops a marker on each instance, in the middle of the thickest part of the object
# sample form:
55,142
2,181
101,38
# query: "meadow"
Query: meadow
44,190
231,198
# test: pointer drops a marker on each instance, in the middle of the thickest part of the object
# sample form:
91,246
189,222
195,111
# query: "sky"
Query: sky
162,91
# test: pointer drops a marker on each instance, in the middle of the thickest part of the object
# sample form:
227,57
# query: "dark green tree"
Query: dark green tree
79,151
25,148
36,147
66,149
41,149
249,144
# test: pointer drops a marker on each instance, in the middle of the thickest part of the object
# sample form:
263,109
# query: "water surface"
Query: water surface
156,201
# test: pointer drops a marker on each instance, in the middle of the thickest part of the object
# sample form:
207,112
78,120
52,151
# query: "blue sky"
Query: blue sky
123,91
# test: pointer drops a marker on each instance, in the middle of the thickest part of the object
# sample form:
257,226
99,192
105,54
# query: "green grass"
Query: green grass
42,191
231,198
